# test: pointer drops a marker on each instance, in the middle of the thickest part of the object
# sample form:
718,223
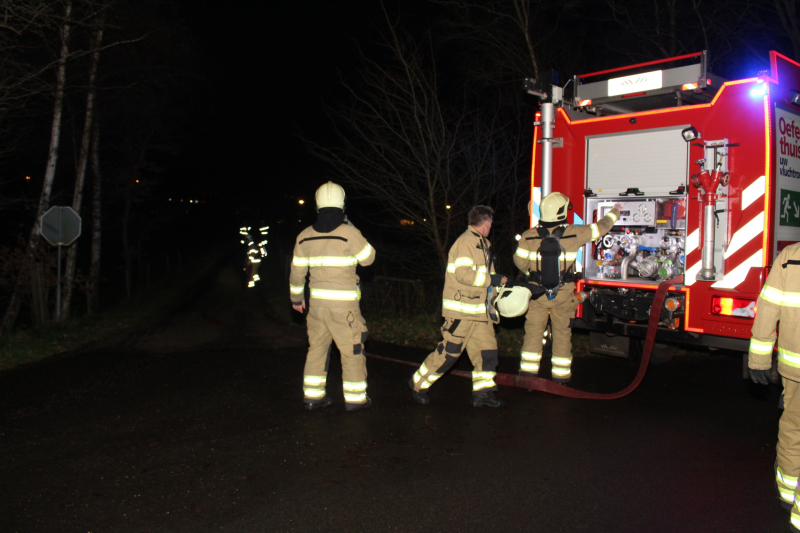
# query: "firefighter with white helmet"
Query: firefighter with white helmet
328,252
546,254
779,302
467,317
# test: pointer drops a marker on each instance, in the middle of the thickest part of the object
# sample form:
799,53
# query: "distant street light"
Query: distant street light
301,202
447,207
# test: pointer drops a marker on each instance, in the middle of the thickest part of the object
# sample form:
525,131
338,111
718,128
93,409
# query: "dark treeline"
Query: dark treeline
94,110
415,107
432,119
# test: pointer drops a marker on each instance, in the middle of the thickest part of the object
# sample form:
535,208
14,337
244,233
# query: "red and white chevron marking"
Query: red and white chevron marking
745,247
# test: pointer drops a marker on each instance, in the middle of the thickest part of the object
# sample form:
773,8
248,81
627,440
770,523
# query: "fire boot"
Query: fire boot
325,401
486,398
419,397
358,406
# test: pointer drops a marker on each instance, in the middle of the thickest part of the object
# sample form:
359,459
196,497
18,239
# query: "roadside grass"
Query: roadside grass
278,306
424,331
421,330
24,346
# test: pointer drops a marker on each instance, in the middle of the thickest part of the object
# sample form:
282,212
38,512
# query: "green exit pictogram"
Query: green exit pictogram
790,208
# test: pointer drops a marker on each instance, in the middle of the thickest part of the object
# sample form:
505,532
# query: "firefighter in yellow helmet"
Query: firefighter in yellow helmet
467,320
549,264
328,251
779,301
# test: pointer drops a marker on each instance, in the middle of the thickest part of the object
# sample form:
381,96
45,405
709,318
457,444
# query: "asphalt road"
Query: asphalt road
196,424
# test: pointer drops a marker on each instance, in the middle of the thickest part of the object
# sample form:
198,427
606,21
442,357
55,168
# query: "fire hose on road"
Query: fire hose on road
545,385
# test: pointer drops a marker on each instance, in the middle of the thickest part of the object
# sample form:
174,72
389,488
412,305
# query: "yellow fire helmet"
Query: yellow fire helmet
330,195
512,301
554,207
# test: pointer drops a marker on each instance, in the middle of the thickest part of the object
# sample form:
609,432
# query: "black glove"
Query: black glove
497,279
760,376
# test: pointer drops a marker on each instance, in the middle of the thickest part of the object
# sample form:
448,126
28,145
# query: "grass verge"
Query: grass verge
422,330
25,346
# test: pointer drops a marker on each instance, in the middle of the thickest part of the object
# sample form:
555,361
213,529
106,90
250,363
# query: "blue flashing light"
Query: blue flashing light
759,90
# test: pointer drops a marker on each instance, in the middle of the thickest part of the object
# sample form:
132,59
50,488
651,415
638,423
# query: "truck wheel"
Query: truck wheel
661,352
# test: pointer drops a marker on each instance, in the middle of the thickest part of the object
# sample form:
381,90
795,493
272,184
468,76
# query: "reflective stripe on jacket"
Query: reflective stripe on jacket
330,259
467,278
779,301
573,239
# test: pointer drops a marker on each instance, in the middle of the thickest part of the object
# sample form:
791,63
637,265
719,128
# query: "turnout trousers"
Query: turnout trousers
347,328
787,466
477,338
559,311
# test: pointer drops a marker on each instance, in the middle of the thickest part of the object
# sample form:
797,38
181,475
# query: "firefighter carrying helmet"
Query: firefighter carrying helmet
512,301
330,194
554,207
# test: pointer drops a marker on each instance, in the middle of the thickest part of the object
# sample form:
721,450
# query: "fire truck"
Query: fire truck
708,174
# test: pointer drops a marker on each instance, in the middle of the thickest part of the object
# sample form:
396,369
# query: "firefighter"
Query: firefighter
779,301
468,280
559,304
329,251
252,261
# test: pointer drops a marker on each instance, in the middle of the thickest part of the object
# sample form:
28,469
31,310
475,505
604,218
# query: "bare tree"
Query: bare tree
666,28
37,277
80,178
26,77
774,25
24,24
93,293
423,155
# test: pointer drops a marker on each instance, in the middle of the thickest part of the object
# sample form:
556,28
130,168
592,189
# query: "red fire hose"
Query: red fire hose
545,385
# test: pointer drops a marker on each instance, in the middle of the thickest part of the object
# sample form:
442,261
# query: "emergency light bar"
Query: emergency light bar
646,81
612,93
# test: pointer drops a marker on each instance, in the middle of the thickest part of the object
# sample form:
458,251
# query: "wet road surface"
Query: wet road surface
196,424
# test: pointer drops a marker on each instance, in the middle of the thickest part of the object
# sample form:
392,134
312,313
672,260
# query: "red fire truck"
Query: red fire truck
708,173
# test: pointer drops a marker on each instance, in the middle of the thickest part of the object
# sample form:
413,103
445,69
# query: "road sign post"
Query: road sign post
60,225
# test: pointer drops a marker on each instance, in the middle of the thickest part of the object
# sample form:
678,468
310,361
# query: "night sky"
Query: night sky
270,68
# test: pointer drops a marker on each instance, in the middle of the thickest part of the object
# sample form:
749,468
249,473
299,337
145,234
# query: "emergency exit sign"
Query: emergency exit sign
790,208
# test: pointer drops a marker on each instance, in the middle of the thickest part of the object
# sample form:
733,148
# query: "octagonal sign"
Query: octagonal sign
61,225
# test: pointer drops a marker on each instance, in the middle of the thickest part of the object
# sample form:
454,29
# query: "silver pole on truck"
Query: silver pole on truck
547,122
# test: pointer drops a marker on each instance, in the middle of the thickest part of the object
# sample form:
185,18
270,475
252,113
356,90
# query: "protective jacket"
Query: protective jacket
331,259
527,256
779,301
468,278
466,326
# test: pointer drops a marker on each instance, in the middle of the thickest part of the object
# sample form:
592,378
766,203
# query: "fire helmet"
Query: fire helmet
330,195
554,207
512,301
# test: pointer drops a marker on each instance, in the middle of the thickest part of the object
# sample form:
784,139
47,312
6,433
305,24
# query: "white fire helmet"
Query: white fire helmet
330,195
554,207
512,301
